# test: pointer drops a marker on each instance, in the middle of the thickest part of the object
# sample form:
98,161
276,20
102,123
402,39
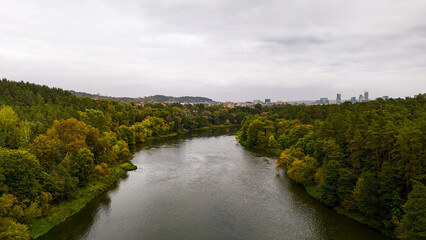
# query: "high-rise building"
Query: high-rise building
366,96
361,98
353,100
268,100
339,98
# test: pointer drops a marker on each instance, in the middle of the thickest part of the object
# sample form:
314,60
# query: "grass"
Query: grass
60,212
128,166
313,191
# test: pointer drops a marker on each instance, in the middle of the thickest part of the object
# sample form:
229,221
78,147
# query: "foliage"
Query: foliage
360,158
54,145
414,220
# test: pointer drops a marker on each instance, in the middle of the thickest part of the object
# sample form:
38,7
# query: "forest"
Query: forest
366,160
53,145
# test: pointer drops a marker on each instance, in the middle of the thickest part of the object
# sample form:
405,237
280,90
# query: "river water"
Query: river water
207,187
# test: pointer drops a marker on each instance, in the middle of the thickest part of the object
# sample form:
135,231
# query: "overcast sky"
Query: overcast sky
234,50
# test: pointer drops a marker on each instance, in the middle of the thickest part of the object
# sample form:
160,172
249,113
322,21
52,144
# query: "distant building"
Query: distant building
365,96
268,100
385,97
353,100
361,98
339,98
257,102
324,100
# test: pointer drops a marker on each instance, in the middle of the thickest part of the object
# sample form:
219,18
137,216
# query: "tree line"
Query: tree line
367,160
53,143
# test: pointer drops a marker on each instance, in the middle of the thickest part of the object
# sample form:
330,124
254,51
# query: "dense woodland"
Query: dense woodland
53,143
367,160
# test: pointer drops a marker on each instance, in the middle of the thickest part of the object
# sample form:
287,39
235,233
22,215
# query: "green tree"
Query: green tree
329,193
44,148
126,134
369,201
303,170
346,183
414,220
82,165
9,128
22,172
95,118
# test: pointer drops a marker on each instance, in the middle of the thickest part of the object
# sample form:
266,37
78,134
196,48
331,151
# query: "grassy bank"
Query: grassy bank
60,212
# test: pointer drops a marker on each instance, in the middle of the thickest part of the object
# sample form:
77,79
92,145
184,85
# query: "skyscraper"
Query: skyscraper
339,98
353,100
361,98
365,96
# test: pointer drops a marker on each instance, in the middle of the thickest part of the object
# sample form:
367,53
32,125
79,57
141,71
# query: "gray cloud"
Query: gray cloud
223,49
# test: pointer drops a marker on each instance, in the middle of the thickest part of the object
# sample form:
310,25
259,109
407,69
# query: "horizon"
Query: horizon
371,97
224,50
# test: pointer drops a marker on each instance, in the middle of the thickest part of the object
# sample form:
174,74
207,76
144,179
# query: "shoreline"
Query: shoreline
312,191
60,212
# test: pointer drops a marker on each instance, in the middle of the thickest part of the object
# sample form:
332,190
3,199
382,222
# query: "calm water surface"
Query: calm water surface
207,187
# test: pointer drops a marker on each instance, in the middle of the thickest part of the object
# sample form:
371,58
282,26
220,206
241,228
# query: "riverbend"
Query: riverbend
207,187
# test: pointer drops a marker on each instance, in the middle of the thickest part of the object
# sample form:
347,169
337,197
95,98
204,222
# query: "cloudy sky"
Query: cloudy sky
234,50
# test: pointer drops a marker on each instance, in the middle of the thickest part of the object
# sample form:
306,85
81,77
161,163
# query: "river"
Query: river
207,187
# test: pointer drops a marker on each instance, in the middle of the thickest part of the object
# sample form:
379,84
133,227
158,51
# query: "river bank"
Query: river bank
314,190
60,212
206,186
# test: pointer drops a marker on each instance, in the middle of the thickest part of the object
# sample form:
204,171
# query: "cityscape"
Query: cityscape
322,101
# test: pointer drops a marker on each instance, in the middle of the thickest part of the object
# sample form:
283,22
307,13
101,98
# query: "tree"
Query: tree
44,148
329,194
121,150
9,127
126,134
95,118
414,220
410,154
253,132
22,172
356,149
346,183
303,170
25,134
11,230
331,151
369,201
82,165
70,135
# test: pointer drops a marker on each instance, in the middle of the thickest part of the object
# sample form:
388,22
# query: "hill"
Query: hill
155,98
